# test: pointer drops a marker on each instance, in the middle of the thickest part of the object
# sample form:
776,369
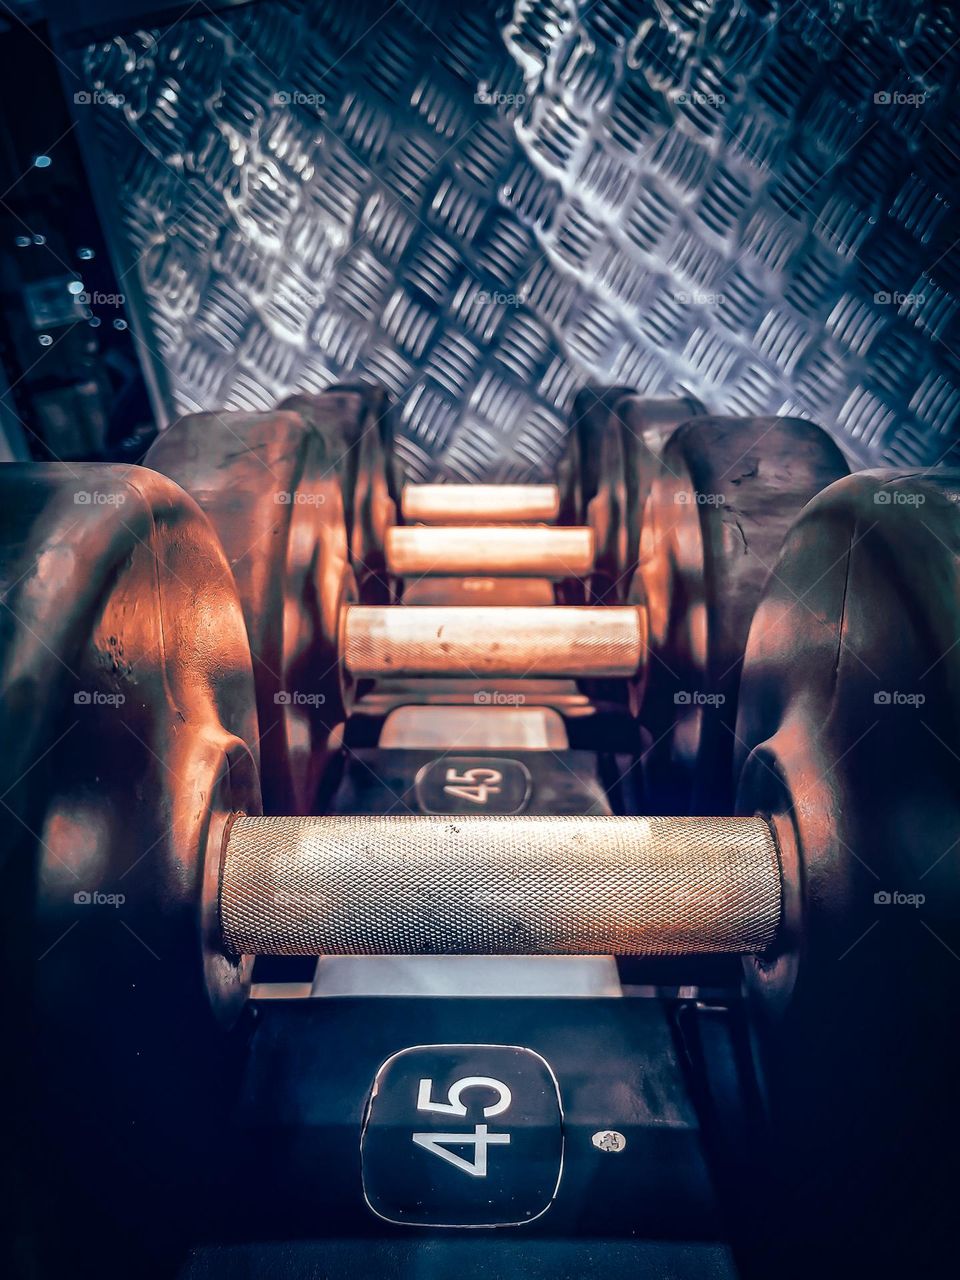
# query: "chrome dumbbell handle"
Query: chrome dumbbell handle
497,885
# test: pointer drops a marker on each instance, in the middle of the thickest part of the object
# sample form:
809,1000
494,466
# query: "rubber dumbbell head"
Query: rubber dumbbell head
848,736
270,486
719,506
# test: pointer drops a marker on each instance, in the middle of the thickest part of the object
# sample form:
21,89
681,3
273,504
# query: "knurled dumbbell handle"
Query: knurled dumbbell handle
499,885
500,551
493,641
480,503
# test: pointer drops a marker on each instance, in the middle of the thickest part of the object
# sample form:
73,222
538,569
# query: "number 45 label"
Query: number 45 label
463,1135
473,784
480,1139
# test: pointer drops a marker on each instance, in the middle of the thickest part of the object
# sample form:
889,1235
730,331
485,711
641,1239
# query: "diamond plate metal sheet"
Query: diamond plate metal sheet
485,206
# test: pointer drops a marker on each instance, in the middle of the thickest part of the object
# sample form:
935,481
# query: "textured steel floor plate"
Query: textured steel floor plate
485,206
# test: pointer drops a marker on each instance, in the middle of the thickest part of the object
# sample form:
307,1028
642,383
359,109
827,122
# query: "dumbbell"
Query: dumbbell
271,487
837,879
576,551
588,503
356,424
681,844
268,484
351,422
848,803
274,486
410,546
563,502
629,433
370,468
689,521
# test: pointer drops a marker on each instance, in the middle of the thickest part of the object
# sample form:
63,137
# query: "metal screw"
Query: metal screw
609,1140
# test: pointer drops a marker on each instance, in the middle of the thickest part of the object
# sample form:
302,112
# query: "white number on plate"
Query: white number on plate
480,1139
475,785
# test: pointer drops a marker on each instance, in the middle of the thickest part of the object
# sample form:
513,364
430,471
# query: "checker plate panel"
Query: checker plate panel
484,206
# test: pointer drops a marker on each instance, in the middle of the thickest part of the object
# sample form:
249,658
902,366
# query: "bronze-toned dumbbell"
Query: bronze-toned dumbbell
708,508
355,425
837,880
270,485
272,490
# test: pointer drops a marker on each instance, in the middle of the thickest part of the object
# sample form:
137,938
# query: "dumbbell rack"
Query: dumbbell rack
138,775
436,881
468,637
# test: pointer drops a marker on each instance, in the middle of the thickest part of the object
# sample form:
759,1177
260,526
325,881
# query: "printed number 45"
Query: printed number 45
480,1139
475,785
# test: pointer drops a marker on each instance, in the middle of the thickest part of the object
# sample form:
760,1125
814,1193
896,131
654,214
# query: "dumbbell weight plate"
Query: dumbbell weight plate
578,468
723,498
380,412
628,457
351,421
849,734
269,484
577,472
127,719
